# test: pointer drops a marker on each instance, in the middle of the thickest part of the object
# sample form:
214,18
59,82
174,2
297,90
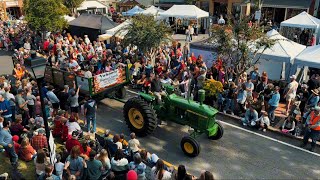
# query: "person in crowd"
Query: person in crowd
73,141
119,164
103,157
5,109
138,166
249,87
73,125
123,141
156,88
230,97
58,122
134,144
90,108
58,166
263,122
251,117
74,102
241,98
16,144
12,100
267,93
273,103
31,99
63,97
39,141
7,143
48,174
254,76
85,150
16,128
304,96
54,100
206,175
26,152
159,172
94,167
312,128
181,173
289,125
22,107
41,161
313,99
18,72
74,163
290,92
116,140
314,82
107,135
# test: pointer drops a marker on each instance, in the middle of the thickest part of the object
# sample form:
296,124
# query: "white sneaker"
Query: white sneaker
264,130
245,124
232,113
224,112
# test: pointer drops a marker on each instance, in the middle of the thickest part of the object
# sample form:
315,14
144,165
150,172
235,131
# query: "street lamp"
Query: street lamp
36,66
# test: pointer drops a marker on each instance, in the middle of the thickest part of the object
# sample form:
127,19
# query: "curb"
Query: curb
271,129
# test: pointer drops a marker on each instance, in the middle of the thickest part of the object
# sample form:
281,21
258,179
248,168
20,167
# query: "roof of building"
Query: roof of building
93,21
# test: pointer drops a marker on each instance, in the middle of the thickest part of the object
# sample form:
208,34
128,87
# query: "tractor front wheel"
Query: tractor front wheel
190,146
219,133
140,117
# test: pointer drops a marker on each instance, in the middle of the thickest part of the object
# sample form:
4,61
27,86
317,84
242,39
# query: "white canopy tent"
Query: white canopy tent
91,5
134,11
185,11
116,31
309,57
152,10
302,20
278,59
68,18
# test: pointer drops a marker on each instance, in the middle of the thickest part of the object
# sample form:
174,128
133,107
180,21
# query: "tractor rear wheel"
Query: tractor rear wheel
140,117
121,93
190,146
219,133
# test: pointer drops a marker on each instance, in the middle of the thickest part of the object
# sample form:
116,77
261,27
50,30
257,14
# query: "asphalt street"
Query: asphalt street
238,155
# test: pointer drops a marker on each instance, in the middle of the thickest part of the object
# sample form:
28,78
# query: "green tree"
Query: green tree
72,4
240,45
147,34
45,15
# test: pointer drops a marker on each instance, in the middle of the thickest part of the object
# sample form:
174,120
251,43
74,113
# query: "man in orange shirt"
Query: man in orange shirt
312,128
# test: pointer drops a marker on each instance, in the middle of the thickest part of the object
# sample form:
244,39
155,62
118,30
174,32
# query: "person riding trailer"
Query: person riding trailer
312,128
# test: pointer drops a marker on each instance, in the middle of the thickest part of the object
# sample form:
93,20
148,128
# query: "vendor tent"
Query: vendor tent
91,5
134,11
278,59
116,31
90,24
68,18
185,11
302,20
283,50
152,10
309,57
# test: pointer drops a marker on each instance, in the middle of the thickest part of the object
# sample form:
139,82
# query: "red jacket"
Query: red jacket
71,143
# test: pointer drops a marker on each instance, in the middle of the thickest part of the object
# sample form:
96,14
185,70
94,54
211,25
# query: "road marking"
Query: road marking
267,137
133,92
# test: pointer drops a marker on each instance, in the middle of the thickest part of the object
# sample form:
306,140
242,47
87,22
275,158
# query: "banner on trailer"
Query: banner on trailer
105,80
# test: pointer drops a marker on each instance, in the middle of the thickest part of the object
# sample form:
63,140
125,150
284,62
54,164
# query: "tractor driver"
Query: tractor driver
156,87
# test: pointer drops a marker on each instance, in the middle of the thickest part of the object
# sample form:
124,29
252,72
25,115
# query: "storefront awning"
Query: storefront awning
298,4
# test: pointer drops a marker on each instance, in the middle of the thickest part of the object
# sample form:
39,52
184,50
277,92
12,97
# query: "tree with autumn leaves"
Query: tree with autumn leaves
240,45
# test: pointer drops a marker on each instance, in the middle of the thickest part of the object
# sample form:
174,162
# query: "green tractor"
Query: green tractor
142,113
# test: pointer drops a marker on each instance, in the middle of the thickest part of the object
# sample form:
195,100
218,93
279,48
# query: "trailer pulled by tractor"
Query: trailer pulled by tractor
99,86
141,114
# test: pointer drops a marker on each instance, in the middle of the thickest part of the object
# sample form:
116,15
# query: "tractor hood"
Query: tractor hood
191,105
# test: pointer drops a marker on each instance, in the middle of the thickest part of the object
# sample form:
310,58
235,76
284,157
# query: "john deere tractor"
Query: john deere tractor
142,113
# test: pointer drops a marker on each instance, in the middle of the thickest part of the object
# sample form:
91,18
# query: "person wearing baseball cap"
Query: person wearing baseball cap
312,128
313,99
290,92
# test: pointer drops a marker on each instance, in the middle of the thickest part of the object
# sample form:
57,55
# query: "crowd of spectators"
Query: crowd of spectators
22,126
